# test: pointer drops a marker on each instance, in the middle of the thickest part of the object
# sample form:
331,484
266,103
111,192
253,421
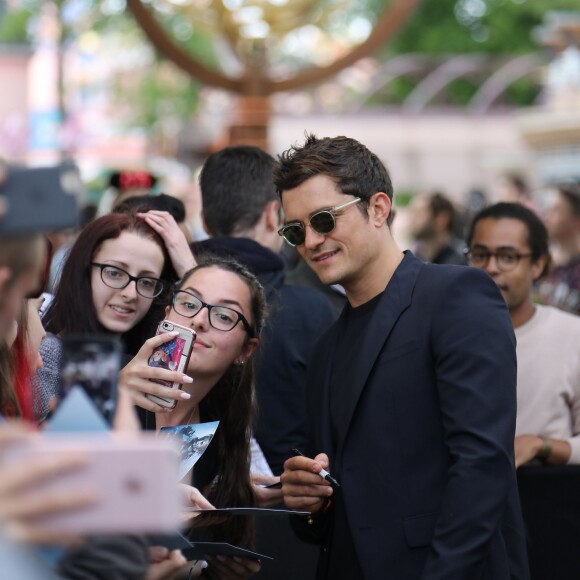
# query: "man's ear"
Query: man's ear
272,215
380,207
538,267
204,225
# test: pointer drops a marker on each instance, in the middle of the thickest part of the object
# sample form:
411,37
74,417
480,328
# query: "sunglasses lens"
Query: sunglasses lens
294,234
322,222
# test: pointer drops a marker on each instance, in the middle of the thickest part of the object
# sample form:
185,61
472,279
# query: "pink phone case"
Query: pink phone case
134,477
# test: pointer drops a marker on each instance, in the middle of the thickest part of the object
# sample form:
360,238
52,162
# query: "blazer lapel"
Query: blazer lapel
395,299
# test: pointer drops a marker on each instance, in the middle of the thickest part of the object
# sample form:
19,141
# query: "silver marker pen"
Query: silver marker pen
323,473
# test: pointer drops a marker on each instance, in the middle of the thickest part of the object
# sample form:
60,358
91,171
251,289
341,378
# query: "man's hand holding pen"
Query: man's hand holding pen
303,487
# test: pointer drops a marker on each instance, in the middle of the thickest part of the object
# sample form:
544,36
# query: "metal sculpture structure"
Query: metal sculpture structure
256,84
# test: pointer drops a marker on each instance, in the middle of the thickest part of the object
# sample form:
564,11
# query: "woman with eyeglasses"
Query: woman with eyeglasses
224,303
114,281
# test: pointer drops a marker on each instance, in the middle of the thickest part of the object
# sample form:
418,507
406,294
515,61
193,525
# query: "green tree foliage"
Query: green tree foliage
14,26
165,93
460,26
500,28
439,27
162,91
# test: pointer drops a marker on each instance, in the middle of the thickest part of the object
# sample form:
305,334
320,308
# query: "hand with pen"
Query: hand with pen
304,482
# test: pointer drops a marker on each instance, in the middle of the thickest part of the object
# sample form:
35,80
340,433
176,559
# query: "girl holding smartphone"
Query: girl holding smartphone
225,305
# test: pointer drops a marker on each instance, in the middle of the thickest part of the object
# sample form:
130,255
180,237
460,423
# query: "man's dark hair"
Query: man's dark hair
236,184
537,232
145,203
571,193
356,170
439,203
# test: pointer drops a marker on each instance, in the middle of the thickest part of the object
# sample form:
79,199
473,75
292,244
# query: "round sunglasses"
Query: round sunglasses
322,222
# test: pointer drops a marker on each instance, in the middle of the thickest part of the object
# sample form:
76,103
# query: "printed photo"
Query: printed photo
193,440
167,356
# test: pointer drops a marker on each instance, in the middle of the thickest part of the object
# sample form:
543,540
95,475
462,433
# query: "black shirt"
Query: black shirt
347,349
343,561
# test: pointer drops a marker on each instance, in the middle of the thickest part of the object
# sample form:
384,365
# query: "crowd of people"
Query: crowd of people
420,379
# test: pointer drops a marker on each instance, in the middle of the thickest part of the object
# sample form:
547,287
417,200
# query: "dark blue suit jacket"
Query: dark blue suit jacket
426,460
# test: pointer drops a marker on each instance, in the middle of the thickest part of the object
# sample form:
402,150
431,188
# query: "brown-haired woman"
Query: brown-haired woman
225,305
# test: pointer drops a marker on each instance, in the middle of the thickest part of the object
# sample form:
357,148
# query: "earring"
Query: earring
241,363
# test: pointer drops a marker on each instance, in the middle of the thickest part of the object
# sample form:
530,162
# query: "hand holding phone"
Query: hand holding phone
18,514
129,480
172,355
141,380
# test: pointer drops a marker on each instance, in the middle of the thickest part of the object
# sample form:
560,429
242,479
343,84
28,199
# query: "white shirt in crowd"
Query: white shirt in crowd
548,390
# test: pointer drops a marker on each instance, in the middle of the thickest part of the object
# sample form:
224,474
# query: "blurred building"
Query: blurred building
552,131
426,142
14,62
451,151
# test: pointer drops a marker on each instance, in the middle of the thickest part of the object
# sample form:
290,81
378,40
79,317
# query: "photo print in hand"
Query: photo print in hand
193,440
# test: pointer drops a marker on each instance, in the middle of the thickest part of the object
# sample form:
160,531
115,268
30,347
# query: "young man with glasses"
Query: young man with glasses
411,393
510,243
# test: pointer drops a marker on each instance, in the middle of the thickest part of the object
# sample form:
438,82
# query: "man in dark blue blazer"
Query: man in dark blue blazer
412,394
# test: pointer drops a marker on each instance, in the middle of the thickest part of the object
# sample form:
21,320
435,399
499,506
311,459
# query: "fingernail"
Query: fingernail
185,395
159,552
173,333
204,564
187,379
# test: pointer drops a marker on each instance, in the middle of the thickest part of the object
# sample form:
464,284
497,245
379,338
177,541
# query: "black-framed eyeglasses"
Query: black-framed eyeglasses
506,260
220,317
322,222
118,279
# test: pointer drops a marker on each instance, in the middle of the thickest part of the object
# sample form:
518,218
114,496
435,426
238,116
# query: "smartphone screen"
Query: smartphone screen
93,364
167,356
